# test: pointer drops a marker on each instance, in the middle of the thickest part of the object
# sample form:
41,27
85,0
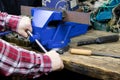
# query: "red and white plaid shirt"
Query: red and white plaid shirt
15,60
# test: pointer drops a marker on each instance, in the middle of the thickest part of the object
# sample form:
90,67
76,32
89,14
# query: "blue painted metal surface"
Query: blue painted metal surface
61,4
4,33
51,31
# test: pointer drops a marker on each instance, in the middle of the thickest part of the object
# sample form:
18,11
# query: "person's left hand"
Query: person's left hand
24,25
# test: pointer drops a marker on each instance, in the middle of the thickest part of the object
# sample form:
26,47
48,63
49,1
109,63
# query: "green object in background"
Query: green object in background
100,18
105,11
98,25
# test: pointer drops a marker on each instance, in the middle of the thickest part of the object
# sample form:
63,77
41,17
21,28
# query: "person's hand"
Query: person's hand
57,63
24,25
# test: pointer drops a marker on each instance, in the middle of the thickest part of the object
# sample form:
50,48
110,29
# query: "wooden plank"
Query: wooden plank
106,68
71,16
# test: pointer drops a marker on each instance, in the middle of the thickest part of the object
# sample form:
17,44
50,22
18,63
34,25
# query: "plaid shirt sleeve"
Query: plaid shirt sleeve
11,21
15,60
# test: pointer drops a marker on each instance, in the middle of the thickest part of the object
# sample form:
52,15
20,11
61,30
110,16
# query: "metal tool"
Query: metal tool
39,44
64,49
53,31
99,40
90,52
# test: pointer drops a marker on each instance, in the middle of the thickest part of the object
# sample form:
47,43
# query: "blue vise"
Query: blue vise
50,29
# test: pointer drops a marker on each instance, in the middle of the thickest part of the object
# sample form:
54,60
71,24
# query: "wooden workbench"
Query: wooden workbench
105,68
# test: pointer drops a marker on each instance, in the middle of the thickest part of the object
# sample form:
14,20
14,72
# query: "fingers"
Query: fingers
29,28
62,66
24,25
24,34
57,63
28,24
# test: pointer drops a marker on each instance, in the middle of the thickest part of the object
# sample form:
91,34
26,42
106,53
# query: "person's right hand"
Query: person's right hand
57,63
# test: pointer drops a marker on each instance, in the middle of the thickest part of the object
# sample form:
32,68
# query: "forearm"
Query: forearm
17,60
9,21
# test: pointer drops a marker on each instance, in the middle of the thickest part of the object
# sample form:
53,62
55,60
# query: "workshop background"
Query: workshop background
101,18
